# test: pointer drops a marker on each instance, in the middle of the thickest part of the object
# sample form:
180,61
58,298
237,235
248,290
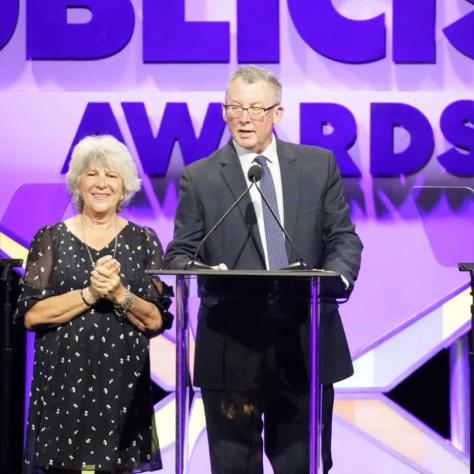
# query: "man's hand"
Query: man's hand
221,266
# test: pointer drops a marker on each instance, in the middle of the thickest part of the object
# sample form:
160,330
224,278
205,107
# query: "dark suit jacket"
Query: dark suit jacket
236,317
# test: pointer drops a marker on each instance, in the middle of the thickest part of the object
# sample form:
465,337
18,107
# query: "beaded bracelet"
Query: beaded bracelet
122,310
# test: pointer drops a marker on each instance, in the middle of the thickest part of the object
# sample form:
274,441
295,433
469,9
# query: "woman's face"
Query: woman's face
100,188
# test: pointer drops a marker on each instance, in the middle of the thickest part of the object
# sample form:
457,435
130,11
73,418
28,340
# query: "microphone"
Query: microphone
254,175
300,264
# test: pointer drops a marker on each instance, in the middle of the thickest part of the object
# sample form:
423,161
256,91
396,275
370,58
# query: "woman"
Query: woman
86,294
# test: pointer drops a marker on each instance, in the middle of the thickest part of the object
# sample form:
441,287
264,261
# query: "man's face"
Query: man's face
253,134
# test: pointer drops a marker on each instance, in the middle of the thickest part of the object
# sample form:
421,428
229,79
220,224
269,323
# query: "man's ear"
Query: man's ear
277,115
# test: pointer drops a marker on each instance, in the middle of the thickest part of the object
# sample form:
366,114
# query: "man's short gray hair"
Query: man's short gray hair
251,74
107,151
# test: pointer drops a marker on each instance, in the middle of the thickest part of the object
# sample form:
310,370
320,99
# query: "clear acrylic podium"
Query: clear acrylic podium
313,279
447,215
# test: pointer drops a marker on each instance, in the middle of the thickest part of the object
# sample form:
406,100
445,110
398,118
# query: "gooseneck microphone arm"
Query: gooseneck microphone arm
300,264
254,175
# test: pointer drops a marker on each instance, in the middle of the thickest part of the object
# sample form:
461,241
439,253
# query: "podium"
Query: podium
447,215
469,267
313,278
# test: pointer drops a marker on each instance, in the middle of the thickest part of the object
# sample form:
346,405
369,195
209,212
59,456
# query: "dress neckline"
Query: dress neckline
93,248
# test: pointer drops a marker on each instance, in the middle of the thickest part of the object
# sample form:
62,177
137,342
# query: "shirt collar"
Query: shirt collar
270,152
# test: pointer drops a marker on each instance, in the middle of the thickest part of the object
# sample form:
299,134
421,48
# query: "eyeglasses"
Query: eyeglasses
234,110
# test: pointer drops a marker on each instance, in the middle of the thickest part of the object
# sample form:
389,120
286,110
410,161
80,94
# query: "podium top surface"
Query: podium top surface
245,273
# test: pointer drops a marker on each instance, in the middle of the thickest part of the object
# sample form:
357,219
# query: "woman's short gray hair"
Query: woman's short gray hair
251,74
110,153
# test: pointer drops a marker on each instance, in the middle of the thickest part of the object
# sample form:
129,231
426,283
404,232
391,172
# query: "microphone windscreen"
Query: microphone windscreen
255,173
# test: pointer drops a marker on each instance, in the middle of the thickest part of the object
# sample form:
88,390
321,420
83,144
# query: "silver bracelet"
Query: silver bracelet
122,309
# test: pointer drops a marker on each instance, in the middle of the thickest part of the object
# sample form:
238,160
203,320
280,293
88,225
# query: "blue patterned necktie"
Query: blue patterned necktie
276,250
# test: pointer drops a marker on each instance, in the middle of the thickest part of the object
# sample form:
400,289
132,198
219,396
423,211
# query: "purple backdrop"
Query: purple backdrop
388,88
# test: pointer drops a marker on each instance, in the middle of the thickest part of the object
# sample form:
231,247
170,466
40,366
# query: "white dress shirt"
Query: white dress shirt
246,160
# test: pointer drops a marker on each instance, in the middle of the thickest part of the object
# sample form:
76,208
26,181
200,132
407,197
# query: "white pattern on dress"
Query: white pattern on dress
72,384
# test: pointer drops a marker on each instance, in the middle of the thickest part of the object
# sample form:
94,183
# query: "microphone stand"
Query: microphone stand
196,265
254,175
300,263
333,288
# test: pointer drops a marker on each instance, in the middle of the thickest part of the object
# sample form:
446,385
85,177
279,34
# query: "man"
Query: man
252,337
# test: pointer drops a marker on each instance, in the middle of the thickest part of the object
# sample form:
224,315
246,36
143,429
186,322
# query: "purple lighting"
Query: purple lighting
354,75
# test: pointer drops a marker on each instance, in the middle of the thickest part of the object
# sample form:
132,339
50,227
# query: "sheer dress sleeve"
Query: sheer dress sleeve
157,292
36,282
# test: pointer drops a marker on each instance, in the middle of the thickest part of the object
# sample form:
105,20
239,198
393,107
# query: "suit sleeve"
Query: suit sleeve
341,245
188,225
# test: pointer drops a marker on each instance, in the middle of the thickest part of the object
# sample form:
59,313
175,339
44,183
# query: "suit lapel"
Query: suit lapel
290,177
233,176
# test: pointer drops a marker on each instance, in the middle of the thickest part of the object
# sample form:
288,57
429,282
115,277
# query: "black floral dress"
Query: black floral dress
91,405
